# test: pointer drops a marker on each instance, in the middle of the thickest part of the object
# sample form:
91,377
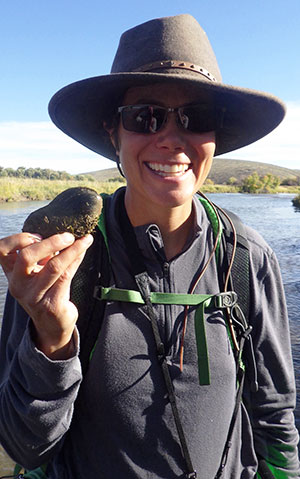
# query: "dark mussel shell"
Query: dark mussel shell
75,210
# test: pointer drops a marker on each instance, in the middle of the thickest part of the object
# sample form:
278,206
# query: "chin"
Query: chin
173,199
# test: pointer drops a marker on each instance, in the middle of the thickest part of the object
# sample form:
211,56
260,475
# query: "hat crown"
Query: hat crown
178,38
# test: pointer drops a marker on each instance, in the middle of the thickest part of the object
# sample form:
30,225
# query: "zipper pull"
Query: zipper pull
166,268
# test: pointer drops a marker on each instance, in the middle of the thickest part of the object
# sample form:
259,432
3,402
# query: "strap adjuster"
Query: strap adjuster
226,299
247,332
192,475
97,292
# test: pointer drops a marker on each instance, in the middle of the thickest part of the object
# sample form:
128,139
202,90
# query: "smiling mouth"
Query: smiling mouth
175,169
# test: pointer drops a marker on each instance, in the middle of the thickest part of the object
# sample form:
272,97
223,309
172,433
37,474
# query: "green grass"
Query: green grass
23,189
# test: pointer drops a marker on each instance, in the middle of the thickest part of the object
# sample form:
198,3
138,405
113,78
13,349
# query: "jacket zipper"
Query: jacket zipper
168,311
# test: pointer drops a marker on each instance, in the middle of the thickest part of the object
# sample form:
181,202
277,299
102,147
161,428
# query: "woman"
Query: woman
143,409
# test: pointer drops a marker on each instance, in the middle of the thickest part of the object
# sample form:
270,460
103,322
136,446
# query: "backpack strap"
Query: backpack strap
234,275
94,270
239,277
235,246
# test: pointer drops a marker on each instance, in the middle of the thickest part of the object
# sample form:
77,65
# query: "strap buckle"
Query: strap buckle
192,475
97,292
226,299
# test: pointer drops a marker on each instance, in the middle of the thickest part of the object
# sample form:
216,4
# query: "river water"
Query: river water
271,215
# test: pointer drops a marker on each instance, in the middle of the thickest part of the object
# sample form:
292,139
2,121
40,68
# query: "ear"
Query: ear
113,136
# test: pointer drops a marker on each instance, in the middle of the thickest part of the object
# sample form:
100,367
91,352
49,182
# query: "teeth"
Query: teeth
173,169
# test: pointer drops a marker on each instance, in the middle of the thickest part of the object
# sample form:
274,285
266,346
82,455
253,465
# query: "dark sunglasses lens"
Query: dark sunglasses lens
143,119
198,118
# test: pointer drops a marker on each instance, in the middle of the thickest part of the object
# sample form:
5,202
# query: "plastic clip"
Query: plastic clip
225,300
97,293
247,332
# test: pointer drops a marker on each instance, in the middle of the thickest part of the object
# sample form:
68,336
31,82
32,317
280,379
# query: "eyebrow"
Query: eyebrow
147,101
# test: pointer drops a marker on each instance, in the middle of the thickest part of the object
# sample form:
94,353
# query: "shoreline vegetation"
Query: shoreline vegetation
36,189
233,176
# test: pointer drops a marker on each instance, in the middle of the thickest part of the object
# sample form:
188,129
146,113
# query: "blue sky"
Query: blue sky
47,44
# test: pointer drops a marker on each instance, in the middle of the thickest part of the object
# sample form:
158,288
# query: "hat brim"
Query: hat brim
80,108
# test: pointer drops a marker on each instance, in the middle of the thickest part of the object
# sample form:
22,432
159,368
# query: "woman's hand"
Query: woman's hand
39,274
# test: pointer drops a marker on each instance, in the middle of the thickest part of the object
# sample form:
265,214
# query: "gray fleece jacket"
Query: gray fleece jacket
122,424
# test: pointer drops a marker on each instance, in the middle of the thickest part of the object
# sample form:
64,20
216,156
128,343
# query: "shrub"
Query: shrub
260,184
296,201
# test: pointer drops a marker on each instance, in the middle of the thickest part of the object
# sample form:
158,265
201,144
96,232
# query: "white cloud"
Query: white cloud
281,147
41,144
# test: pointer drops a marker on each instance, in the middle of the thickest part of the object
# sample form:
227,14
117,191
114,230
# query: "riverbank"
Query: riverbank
29,189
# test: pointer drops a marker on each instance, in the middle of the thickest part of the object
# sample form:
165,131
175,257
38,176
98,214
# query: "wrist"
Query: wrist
61,348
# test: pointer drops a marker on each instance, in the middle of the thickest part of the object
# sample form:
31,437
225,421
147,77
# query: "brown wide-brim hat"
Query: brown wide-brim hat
172,50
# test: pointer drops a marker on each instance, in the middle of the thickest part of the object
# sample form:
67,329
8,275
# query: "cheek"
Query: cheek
205,152
205,144
131,146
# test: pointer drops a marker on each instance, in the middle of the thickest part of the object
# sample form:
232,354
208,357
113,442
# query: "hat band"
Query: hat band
175,64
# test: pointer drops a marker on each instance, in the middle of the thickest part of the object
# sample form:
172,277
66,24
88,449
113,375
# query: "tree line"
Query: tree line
266,183
261,184
42,174
251,184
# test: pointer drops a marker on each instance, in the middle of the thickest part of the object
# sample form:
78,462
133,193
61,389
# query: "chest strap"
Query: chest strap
201,301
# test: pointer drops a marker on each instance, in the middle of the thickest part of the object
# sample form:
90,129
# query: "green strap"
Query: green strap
132,296
39,473
215,222
17,469
202,351
201,300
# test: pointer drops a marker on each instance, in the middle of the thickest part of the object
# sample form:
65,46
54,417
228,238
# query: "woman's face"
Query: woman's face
164,169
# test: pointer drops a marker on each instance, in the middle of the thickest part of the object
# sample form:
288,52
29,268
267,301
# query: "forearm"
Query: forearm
37,399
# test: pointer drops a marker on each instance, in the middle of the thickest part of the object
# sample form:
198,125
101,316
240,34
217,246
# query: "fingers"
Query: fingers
58,272
39,275
25,275
12,243
30,257
60,290
10,246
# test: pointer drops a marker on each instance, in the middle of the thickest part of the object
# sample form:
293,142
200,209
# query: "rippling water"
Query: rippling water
271,215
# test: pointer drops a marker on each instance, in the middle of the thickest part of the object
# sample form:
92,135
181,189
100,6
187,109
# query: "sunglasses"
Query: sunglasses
196,118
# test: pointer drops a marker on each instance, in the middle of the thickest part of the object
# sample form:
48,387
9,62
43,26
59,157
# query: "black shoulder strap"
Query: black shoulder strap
234,245
240,283
240,279
94,270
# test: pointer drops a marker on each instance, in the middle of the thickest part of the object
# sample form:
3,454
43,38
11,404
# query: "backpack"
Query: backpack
232,253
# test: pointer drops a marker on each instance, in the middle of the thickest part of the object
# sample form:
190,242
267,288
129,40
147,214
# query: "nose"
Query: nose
171,136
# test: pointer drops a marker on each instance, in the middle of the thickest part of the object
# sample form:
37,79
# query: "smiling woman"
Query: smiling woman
163,170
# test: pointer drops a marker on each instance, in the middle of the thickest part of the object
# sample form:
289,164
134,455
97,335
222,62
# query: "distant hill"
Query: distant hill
222,170
104,175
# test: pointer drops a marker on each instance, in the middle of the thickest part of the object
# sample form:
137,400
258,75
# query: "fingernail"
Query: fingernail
88,239
36,237
67,238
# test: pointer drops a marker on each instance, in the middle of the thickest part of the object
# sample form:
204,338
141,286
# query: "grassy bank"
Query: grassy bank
23,189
